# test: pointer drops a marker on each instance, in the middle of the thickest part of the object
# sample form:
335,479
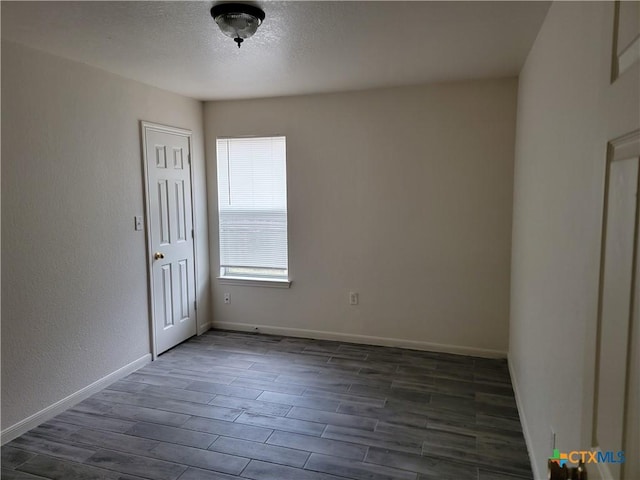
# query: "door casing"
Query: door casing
622,148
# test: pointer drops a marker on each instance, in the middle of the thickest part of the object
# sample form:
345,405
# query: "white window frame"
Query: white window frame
247,279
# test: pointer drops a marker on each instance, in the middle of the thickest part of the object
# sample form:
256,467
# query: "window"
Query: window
252,208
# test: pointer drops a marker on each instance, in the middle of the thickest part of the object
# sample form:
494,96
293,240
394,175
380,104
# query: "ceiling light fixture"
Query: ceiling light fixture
237,20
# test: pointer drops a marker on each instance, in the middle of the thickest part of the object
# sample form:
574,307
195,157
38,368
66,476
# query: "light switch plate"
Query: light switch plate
138,222
353,298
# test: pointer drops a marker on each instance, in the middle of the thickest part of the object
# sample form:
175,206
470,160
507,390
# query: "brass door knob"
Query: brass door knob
158,255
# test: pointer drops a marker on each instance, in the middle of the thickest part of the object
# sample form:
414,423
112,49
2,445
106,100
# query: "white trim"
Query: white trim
525,426
204,328
60,406
255,282
226,137
158,127
147,212
366,339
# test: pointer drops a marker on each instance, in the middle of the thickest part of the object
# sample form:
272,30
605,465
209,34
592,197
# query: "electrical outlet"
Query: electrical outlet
227,298
353,298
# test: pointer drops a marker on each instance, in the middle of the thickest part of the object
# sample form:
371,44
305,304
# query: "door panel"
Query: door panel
164,223
180,212
183,292
171,239
165,296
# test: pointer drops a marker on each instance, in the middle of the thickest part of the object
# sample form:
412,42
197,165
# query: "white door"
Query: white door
170,234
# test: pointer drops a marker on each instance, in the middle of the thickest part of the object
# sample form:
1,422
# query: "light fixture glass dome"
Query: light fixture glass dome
237,20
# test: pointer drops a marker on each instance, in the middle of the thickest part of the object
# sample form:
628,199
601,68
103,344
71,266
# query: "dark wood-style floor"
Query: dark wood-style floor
233,405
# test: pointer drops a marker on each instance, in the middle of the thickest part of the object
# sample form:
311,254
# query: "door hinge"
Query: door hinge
195,305
189,158
192,233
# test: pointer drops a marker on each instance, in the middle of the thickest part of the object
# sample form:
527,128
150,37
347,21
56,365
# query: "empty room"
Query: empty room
320,240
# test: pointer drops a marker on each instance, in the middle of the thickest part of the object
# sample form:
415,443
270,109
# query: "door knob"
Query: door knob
158,255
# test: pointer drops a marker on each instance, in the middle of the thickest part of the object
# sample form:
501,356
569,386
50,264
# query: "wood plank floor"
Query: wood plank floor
231,405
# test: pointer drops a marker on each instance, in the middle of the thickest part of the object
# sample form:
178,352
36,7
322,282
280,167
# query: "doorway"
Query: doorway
170,235
616,421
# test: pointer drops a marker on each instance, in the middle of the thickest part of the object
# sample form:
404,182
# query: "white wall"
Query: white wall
403,195
74,277
567,112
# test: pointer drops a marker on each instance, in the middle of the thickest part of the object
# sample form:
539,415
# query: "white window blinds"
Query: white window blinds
252,206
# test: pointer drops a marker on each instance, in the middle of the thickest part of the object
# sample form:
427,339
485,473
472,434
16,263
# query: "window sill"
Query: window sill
255,282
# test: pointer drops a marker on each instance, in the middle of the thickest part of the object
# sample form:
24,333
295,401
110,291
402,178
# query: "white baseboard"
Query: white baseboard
60,406
366,339
204,328
525,426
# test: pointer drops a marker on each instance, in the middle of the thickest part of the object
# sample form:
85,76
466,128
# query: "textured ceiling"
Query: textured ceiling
302,47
